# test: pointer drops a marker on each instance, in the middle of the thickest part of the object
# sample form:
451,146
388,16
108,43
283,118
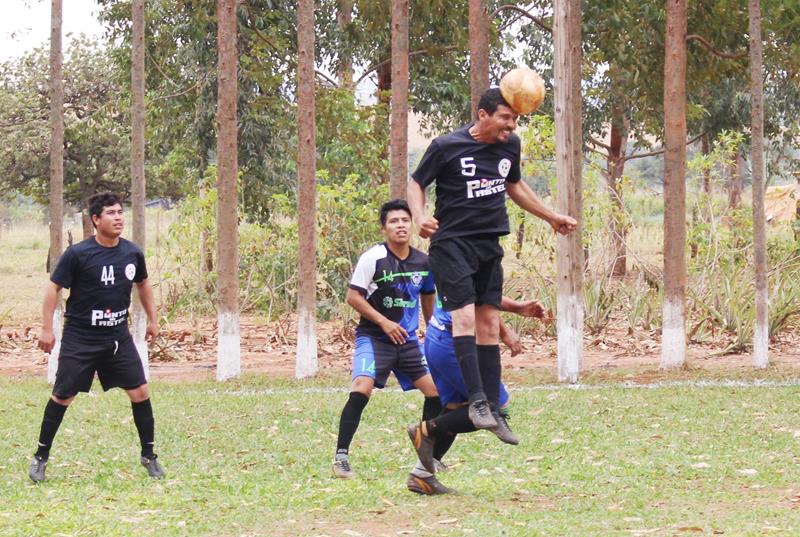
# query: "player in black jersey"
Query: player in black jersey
99,272
473,168
389,283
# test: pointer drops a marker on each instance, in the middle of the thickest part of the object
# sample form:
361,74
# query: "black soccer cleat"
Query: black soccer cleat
480,413
427,485
503,431
423,444
37,469
152,466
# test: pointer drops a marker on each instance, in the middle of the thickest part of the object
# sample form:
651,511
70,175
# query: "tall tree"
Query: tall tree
478,52
761,333
306,359
344,17
567,58
228,337
138,188
673,333
399,134
56,170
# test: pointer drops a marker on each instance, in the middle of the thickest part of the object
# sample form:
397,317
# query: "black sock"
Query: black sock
443,442
431,408
53,414
467,357
348,423
451,423
145,425
491,370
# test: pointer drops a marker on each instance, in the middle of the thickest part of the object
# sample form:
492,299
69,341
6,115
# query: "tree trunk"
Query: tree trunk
139,316
344,16
399,124
616,166
228,338
306,357
673,333
705,149
478,52
56,170
567,45
761,333
736,172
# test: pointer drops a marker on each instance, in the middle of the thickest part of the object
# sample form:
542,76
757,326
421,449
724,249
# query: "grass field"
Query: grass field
251,458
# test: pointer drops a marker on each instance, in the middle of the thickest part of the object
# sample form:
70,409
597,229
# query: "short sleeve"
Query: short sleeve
63,275
428,287
363,274
515,173
429,165
141,268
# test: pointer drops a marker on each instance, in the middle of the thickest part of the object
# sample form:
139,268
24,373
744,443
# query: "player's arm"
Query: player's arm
415,195
510,338
149,305
47,339
523,308
428,301
527,199
397,334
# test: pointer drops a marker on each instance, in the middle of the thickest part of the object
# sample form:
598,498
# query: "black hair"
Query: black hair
393,205
490,100
100,200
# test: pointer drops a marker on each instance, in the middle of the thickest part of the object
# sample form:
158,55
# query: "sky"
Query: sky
25,24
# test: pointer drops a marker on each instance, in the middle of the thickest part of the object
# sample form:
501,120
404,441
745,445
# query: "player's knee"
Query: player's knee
363,385
137,395
62,401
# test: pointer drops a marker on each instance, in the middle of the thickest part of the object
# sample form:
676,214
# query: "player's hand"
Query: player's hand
47,340
530,308
563,224
428,228
396,333
511,340
151,332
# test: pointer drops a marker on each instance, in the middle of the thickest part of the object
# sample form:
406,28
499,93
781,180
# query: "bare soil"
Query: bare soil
187,352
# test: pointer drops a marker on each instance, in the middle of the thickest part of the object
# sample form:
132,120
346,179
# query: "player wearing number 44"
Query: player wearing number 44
99,272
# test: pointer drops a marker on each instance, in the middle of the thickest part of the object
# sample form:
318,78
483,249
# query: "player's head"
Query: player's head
496,119
105,210
396,221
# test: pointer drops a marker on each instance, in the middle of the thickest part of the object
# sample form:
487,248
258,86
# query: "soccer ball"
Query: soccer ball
523,89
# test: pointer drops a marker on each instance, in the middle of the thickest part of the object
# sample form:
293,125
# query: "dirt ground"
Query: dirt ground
187,351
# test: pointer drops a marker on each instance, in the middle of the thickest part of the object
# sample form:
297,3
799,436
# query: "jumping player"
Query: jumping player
99,272
473,168
390,281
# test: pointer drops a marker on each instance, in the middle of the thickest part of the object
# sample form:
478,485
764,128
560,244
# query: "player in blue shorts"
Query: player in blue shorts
389,283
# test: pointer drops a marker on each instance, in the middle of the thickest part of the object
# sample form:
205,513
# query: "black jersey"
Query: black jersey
100,281
392,286
470,181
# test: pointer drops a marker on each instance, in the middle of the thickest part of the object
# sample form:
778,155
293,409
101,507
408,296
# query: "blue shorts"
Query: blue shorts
376,359
443,364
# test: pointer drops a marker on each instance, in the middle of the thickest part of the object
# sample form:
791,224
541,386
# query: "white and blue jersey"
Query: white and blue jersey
393,287
442,362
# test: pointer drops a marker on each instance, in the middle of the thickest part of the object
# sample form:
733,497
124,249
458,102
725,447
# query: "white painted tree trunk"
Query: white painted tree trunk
139,321
228,346
673,335
306,365
570,337
52,359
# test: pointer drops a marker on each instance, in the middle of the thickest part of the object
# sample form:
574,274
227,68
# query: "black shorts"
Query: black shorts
116,362
467,270
376,359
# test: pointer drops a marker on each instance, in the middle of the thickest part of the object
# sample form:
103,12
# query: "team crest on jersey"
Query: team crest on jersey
130,271
388,302
504,167
416,279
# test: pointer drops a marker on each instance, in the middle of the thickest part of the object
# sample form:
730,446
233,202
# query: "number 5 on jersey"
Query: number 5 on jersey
468,166
107,276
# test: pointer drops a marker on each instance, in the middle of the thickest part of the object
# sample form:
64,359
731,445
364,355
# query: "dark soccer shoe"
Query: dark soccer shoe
37,469
427,485
423,444
503,431
480,413
152,466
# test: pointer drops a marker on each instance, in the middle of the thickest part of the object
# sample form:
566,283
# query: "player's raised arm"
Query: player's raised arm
527,199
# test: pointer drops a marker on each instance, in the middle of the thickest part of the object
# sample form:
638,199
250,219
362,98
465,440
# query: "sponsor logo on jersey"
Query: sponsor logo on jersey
485,187
504,166
130,271
107,317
